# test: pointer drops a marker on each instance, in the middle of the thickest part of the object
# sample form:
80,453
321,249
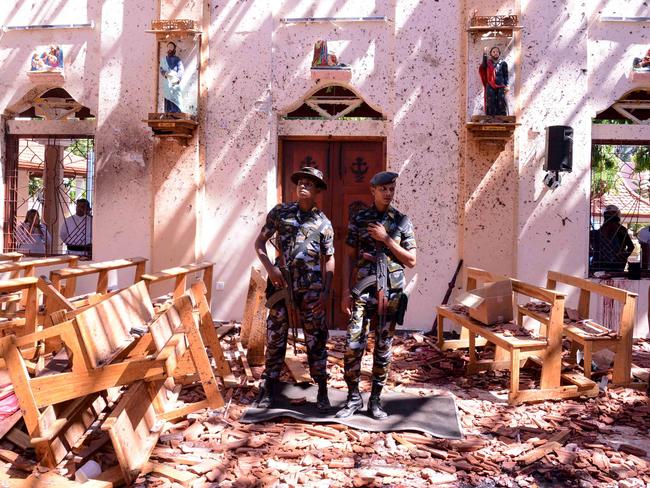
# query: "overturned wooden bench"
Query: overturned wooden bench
511,352
114,343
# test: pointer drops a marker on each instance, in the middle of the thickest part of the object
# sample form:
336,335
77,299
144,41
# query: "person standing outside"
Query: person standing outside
77,230
306,238
32,237
494,76
379,227
171,68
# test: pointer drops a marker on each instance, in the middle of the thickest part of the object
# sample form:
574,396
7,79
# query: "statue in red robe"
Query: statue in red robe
494,75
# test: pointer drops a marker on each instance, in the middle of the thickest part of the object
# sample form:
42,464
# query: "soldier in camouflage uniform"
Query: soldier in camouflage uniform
306,238
379,225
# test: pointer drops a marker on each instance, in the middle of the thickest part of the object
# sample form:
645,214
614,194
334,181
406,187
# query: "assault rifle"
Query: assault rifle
380,280
450,287
286,294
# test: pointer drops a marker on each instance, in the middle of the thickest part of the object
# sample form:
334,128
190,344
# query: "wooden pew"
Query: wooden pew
179,274
27,268
10,256
67,309
103,353
65,280
23,322
511,351
599,338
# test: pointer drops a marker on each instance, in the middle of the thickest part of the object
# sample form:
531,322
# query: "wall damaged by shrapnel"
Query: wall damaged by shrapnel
413,62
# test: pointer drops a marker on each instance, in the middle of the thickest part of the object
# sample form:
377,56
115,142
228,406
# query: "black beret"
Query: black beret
383,178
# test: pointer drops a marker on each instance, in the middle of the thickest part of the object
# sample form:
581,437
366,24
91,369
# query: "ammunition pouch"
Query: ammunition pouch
402,305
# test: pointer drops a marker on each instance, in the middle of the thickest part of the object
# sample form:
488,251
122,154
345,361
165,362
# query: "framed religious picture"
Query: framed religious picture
47,60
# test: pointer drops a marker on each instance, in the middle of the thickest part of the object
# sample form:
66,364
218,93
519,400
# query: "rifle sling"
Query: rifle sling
302,247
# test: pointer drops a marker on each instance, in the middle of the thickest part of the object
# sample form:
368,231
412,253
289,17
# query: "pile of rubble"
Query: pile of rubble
602,441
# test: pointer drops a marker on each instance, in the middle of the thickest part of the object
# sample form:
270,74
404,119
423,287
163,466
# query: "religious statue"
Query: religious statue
171,68
321,57
494,76
642,64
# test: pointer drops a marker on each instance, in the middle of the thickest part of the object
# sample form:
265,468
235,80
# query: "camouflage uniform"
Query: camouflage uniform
364,307
293,227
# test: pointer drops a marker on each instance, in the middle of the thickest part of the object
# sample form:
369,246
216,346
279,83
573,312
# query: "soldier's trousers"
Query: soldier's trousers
315,330
364,309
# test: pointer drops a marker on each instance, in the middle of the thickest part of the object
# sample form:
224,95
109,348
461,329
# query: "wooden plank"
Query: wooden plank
538,452
8,423
297,369
19,438
69,386
21,383
132,429
254,309
185,478
97,267
68,260
209,334
588,285
197,348
552,355
241,353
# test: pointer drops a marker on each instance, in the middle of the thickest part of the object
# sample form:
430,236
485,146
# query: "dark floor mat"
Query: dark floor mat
435,415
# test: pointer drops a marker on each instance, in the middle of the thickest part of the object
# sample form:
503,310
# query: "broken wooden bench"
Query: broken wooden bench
180,274
14,304
512,351
65,280
115,343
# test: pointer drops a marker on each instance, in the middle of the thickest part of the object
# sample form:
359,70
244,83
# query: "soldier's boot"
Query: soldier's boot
266,396
353,403
374,405
322,400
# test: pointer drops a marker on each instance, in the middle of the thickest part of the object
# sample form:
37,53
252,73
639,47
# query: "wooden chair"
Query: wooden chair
511,351
593,337
180,274
104,353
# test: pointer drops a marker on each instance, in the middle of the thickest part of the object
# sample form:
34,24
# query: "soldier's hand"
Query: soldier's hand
275,275
346,303
377,232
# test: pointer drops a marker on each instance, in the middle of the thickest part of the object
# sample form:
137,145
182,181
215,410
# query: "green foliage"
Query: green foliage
641,159
35,185
604,170
81,147
611,121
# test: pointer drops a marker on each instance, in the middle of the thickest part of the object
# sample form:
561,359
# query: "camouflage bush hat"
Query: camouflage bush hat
312,173
383,178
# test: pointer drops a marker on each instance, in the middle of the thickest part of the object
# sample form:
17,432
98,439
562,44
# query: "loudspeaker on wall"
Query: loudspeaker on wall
559,148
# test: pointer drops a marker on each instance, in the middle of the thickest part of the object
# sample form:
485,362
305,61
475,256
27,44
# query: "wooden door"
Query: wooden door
347,167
